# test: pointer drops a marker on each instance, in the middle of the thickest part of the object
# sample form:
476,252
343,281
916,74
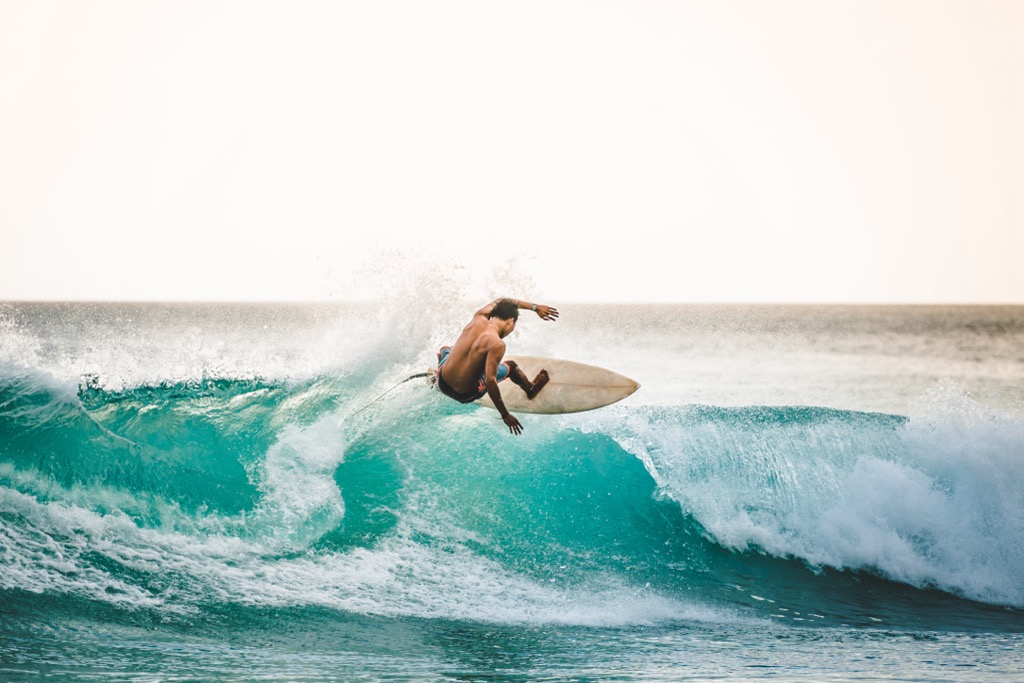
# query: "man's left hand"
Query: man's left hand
547,312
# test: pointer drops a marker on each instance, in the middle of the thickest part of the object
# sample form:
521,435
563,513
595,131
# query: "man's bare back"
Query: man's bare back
473,366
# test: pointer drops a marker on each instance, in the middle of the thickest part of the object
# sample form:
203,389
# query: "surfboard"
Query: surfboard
573,387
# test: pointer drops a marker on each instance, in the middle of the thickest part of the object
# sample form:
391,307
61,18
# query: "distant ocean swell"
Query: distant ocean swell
252,493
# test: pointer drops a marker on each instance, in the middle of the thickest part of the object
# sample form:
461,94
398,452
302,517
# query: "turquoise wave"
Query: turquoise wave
188,498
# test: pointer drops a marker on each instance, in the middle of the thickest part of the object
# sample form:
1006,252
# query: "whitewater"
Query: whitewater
213,492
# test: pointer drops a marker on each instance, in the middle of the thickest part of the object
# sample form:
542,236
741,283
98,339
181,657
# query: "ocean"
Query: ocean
247,492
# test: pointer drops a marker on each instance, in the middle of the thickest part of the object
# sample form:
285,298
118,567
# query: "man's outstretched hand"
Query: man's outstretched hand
547,312
512,423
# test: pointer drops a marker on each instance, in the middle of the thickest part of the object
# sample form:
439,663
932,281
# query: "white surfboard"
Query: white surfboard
573,387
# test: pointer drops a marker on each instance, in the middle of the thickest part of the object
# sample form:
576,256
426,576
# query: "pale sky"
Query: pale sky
852,151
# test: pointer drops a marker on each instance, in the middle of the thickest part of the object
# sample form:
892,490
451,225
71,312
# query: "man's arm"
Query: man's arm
486,310
495,352
545,312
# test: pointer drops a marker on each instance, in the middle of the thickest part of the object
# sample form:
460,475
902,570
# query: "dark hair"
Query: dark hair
505,309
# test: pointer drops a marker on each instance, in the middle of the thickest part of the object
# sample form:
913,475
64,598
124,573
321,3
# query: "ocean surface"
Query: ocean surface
796,493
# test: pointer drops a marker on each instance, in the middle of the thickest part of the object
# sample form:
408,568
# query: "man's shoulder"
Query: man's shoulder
488,339
493,341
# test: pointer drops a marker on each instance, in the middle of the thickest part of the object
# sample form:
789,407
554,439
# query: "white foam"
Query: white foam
44,552
300,500
400,576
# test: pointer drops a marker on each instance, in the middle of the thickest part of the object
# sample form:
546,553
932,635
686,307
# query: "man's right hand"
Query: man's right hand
512,423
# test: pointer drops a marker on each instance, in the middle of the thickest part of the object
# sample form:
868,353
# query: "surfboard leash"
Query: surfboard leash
418,375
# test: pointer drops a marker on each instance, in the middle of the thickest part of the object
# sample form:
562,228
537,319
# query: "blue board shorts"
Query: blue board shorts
447,390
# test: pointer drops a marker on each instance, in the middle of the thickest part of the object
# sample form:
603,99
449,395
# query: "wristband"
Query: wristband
533,308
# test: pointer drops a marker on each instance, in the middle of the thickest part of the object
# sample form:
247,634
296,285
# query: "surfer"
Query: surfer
473,366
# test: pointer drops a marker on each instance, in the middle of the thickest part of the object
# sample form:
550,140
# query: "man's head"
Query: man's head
505,313
505,309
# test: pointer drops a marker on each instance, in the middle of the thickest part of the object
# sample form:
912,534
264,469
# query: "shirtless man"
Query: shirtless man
473,366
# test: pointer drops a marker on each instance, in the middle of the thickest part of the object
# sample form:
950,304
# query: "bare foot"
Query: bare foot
538,383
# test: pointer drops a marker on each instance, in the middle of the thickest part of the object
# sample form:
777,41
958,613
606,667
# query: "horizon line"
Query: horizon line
366,301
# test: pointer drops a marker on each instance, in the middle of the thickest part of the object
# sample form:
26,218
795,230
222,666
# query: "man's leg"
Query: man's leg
516,374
